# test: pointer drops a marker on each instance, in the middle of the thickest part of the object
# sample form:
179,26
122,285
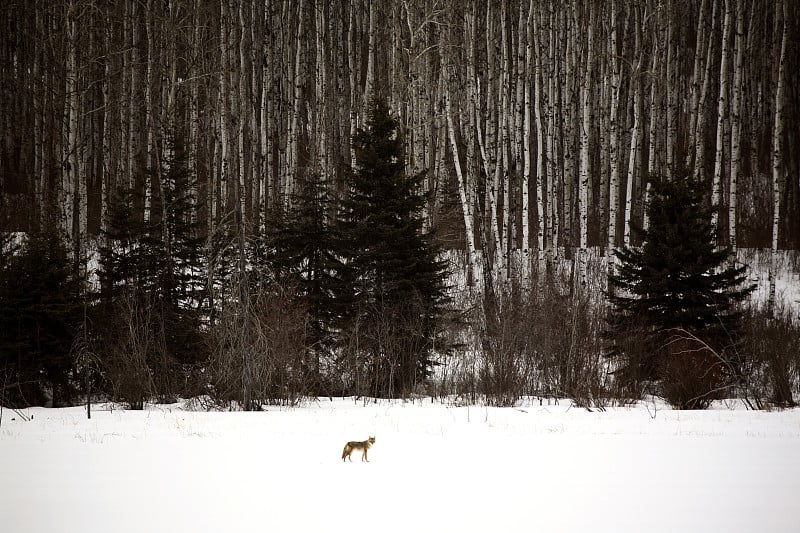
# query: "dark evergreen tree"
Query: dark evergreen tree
151,274
396,280
40,313
675,300
122,253
305,255
177,241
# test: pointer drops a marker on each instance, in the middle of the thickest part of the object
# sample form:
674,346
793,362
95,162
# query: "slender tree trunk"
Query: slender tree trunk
554,170
541,162
614,158
736,124
526,136
700,146
722,117
778,159
637,133
569,108
697,73
585,174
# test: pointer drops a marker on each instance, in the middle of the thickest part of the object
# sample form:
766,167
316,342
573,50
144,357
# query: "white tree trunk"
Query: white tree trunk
224,115
526,135
369,86
699,55
294,136
585,176
700,145
552,167
466,206
541,162
569,110
736,124
637,135
722,118
777,151
614,158
654,129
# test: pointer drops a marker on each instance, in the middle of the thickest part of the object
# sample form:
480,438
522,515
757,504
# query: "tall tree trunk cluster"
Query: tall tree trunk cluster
538,122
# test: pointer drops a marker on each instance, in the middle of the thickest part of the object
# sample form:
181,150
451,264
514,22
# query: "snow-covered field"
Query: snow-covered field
434,467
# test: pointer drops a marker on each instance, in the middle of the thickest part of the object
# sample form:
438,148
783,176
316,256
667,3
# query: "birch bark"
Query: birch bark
637,134
722,118
700,145
778,163
736,124
614,159
466,206
585,176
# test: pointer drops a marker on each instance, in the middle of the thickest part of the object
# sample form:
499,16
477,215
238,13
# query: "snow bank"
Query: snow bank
433,468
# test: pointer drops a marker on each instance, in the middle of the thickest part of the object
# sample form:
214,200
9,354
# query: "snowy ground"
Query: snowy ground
433,468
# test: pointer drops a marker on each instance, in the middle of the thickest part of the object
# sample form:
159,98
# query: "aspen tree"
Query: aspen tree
583,196
293,140
700,145
671,67
697,75
466,207
74,180
224,115
541,162
526,135
736,125
778,156
614,158
654,130
502,176
637,133
722,116
554,171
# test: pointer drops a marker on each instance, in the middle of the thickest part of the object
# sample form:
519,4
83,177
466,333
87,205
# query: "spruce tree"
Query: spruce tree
305,257
40,312
397,281
678,286
177,243
151,275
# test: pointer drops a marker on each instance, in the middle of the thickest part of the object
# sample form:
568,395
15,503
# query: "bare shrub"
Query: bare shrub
261,345
771,350
387,350
541,341
566,329
691,373
130,342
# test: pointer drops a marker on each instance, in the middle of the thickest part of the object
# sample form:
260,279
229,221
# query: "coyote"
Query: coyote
357,445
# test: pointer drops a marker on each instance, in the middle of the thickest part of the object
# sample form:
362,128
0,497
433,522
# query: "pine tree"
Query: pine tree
677,287
40,312
155,265
305,256
398,282
177,243
122,254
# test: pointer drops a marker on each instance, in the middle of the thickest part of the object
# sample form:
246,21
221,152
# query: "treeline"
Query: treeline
210,155
356,304
538,122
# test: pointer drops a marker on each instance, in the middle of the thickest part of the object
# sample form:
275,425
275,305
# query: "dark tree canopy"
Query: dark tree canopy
677,281
392,265
41,309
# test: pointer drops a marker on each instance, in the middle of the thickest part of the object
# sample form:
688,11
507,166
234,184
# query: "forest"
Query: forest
164,150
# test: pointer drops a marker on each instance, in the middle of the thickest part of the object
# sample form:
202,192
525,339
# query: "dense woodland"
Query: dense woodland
538,122
534,128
